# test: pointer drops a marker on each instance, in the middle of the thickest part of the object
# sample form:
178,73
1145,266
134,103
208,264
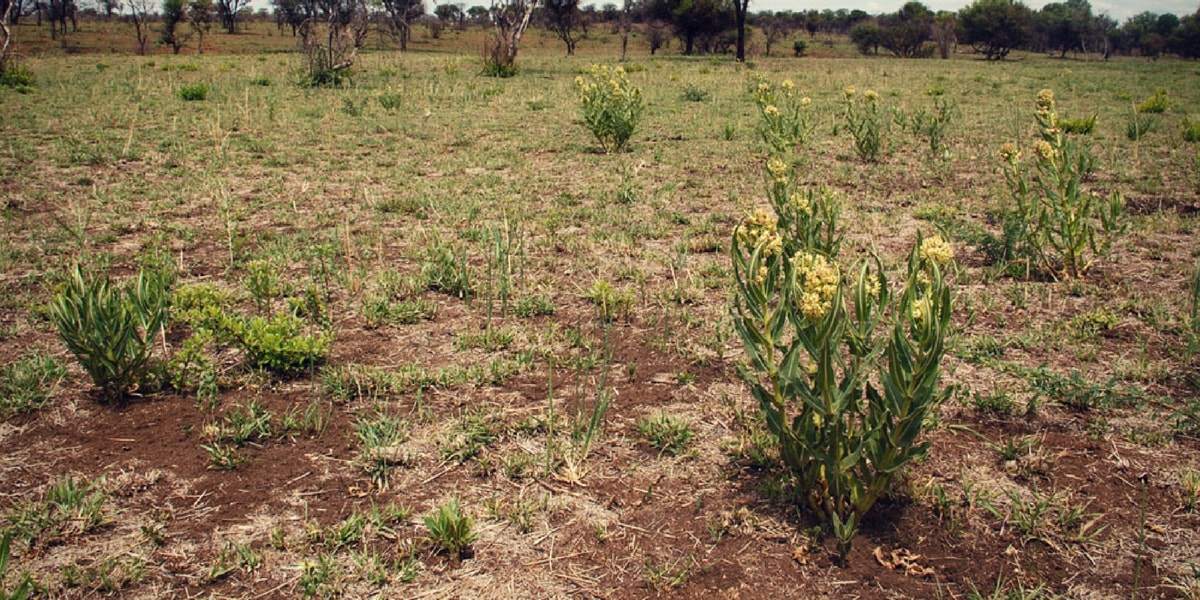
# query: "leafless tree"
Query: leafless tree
331,38
139,16
511,18
6,7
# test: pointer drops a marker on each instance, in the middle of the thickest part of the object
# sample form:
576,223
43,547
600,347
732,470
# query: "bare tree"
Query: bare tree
5,34
139,16
331,39
511,18
739,13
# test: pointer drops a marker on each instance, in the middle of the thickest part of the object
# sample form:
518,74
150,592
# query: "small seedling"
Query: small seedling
450,530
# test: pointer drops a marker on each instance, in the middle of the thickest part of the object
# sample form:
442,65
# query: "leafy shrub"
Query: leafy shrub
262,81
110,329
1191,131
390,99
612,106
26,385
1085,126
799,47
1156,104
502,70
932,125
1057,225
783,116
194,92
17,76
845,405
279,343
692,93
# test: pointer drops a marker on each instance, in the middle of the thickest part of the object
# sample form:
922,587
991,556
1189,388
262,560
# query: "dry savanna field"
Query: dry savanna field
425,338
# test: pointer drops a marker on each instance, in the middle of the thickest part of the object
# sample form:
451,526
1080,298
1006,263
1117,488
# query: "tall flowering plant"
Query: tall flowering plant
784,120
1056,223
846,405
612,106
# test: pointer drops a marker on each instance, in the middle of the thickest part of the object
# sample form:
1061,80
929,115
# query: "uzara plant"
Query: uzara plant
612,106
846,406
1061,228
784,122
111,329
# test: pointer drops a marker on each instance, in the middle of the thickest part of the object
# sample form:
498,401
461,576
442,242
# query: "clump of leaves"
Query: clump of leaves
612,106
611,303
667,433
1156,104
111,329
279,343
1084,126
450,530
27,384
1191,131
193,92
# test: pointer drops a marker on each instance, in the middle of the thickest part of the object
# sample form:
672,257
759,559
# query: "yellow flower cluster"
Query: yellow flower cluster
761,229
805,101
1009,152
771,111
849,91
778,170
787,85
871,96
936,250
921,309
818,283
800,203
1045,99
1044,150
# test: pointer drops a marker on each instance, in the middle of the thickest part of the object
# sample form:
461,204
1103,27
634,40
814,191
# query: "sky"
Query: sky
1117,9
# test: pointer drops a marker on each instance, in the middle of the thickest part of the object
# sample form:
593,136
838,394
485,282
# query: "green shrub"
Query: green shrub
1191,131
500,69
261,81
692,93
194,92
27,384
1158,103
111,330
390,99
17,76
799,47
279,343
1139,125
612,106
1085,126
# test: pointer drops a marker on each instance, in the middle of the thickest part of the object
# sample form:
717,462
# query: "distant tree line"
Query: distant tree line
994,28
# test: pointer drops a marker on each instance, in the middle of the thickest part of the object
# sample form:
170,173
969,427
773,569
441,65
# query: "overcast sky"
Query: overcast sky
1117,9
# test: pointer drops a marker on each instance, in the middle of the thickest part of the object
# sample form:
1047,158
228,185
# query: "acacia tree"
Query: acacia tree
170,30
400,16
566,20
995,27
200,16
906,32
139,17
227,12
